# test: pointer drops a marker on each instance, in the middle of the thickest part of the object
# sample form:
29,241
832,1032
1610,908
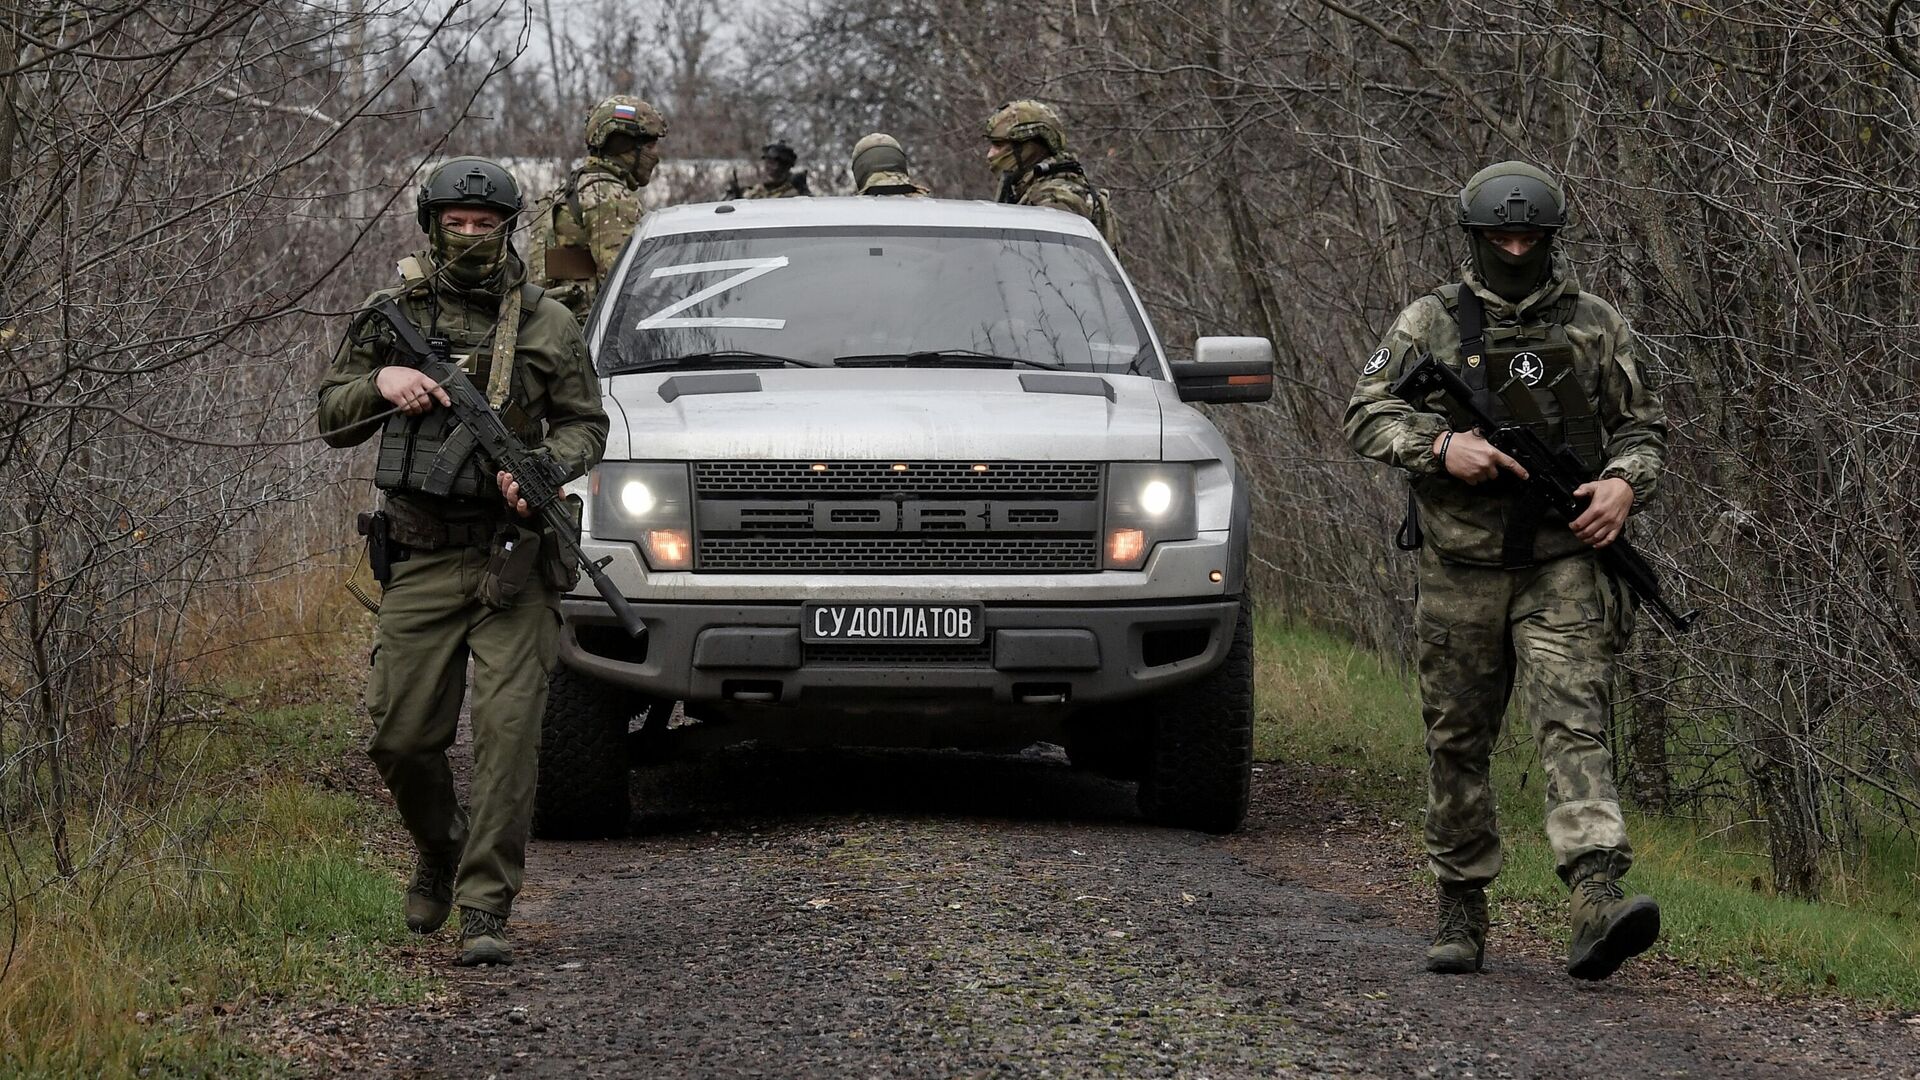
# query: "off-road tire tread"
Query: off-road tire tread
582,790
1199,767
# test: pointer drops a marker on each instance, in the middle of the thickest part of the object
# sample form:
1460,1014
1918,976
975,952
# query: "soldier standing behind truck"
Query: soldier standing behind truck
581,225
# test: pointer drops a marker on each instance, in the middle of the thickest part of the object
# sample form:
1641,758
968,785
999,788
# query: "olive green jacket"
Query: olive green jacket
1465,523
554,395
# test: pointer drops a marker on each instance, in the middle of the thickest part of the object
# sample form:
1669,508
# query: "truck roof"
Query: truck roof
827,212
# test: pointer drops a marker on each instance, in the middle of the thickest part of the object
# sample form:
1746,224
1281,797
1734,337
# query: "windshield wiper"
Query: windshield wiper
718,358
941,358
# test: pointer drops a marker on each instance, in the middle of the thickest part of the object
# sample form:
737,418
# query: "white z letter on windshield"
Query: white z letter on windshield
665,319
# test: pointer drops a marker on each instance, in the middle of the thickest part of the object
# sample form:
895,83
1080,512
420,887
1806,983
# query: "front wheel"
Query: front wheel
1199,767
582,788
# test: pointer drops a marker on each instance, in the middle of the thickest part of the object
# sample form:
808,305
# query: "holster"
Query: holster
570,263
382,550
510,562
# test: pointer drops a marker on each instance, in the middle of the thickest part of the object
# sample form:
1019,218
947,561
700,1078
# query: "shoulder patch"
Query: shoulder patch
1377,361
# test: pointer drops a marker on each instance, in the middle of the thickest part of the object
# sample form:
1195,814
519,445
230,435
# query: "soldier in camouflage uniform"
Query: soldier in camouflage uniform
456,594
581,225
780,180
1511,606
1027,146
880,167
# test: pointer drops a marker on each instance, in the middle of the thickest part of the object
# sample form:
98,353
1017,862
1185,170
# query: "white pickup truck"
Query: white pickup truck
900,471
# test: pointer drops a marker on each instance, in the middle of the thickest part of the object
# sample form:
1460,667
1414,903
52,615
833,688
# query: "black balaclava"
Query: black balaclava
1511,277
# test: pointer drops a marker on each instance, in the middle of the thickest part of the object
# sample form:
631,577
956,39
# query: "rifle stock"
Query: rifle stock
539,479
1552,477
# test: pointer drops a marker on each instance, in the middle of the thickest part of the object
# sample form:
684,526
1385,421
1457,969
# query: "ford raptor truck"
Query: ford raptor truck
905,472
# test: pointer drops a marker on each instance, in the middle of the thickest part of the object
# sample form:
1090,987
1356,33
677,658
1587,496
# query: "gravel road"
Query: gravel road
810,914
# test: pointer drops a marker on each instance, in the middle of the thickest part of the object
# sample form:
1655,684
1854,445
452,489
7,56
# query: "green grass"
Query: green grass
258,887
1325,702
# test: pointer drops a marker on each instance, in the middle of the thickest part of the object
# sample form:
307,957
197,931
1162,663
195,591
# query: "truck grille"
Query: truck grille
865,517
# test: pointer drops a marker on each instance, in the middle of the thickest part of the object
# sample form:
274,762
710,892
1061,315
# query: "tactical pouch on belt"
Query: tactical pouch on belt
570,263
561,572
510,563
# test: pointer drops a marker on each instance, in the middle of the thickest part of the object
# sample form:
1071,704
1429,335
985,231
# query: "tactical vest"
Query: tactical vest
1526,373
1531,378
566,255
1014,188
431,453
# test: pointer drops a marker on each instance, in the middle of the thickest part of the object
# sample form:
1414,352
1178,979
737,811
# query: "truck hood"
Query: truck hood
915,414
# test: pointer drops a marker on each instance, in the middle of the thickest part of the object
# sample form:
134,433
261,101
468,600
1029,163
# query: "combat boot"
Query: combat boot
1608,927
430,893
483,938
1460,943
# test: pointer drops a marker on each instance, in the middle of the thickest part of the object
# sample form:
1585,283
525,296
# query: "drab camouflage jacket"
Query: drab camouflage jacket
1466,523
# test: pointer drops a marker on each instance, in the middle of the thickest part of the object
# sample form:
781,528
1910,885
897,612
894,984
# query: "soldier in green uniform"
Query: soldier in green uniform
581,225
880,167
458,590
778,178
1510,606
1027,146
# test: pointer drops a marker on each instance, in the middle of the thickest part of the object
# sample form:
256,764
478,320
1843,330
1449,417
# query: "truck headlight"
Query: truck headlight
648,504
1146,503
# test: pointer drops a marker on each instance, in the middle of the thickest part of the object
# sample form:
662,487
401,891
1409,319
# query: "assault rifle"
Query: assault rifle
539,478
1552,477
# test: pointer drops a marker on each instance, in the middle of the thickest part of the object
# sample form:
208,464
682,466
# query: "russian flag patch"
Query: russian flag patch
624,112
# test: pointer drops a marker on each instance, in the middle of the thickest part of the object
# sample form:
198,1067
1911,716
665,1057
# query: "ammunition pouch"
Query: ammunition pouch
570,263
514,552
429,453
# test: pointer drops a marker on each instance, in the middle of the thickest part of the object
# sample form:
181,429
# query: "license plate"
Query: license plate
893,624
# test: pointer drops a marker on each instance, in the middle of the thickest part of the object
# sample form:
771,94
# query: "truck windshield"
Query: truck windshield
874,296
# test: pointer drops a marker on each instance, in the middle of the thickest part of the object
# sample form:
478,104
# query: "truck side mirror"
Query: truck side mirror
1226,369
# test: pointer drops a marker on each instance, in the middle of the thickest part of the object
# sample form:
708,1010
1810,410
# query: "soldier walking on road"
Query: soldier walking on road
468,577
779,179
880,167
1027,146
581,225
1511,606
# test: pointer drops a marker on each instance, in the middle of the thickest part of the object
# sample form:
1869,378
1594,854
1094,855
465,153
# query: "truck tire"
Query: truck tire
1199,768
582,790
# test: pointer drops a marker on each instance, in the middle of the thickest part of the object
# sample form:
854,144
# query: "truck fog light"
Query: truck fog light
1156,497
636,498
1125,547
668,549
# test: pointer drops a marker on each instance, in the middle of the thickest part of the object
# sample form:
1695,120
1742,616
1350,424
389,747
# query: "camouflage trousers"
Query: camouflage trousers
1543,637
429,625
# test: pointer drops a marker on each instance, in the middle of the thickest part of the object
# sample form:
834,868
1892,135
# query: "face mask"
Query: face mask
635,167
471,262
1004,160
1511,277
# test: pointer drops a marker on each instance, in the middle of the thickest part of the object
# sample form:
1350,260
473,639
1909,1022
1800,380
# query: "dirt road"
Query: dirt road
826,915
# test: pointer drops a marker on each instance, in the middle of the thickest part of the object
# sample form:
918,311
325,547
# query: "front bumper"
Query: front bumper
1034,655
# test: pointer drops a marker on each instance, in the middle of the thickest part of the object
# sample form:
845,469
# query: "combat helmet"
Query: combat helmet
877,153
1513,195
466,181
624,114
1017,121
780,152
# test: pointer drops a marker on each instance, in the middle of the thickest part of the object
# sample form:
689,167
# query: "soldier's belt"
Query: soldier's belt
409,527
571,263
